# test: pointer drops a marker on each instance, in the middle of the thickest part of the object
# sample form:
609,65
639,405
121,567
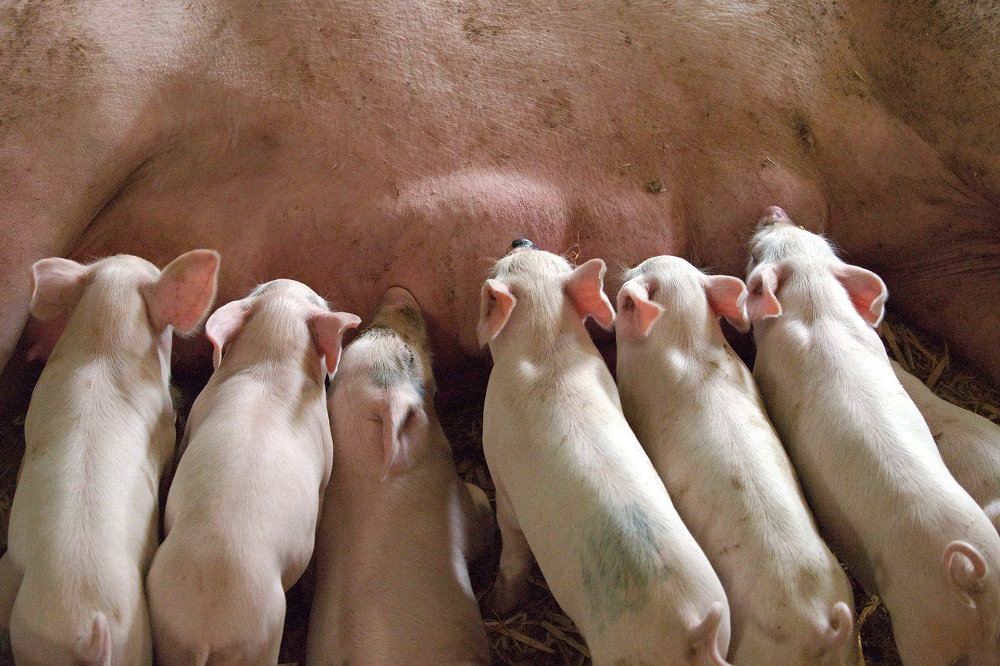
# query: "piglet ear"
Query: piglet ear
585,287
762,285
56,285
495,305
224,324
184,292
867,292
404,426
637,308
328,334
727,296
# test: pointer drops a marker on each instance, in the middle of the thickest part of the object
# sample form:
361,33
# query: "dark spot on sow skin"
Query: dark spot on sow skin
621,561
556,109
804,133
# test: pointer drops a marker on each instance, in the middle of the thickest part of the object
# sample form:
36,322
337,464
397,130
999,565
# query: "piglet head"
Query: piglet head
177,297
326,328
536,273
668,283
865,289
779,249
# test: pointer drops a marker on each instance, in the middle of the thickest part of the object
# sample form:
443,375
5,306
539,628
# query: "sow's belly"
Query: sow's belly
354,229
361,146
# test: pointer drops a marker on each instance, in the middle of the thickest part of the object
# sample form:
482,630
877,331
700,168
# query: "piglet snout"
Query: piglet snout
522,243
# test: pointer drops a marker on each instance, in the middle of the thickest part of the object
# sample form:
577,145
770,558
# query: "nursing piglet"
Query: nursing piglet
694,406
574,486
399,527
969,444
871,472
243,507
100,428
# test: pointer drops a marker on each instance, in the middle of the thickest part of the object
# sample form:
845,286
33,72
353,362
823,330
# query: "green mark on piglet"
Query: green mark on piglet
621,561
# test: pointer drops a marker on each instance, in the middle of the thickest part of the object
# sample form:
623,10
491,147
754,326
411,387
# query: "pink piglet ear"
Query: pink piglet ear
184,291
585,287
727,296
403,428
328,334
56,285
637,308
762,285
496,302
224,324
867,291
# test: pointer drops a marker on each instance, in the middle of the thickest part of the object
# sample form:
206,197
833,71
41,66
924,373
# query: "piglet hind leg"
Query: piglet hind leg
482,525
10,582
515,559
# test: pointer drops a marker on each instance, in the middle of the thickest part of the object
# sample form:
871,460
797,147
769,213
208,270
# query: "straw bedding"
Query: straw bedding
539,634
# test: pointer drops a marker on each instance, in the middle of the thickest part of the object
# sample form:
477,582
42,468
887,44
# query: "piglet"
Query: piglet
969,444
399,527
871,472
243,507
693,405
574,486
99,431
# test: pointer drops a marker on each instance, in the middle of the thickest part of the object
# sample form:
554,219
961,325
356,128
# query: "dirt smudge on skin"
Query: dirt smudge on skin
45,55
478,30
804,132
555,109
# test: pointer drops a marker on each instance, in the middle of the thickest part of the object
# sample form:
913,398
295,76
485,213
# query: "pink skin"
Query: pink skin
694,406
419,139
99,432
858,442
399,526
243,506
606,536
